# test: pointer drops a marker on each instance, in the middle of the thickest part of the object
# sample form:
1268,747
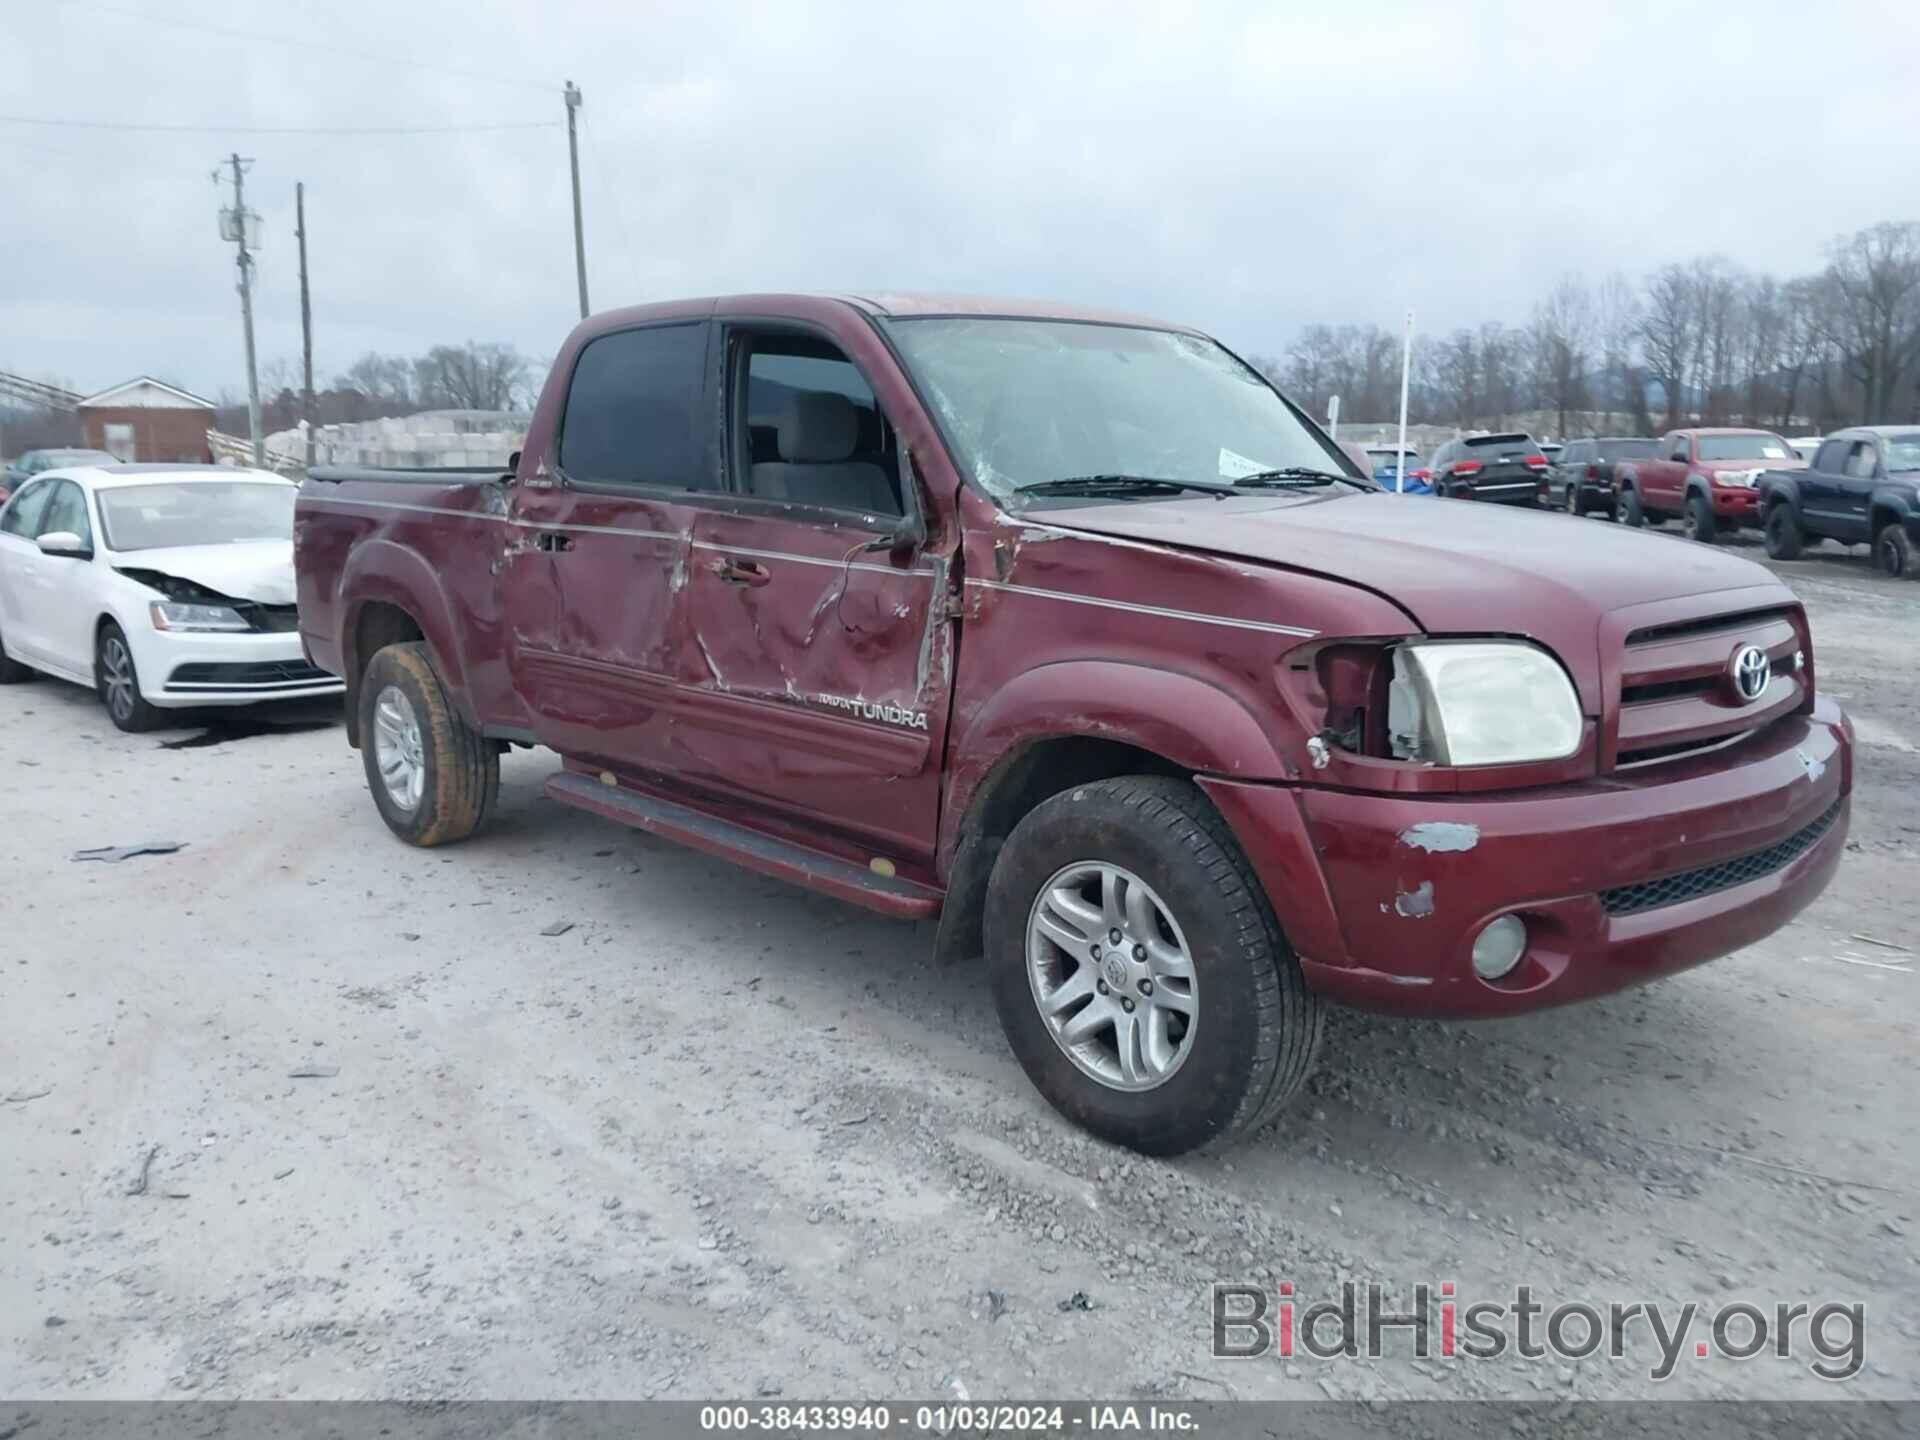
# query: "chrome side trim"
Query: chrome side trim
1159,611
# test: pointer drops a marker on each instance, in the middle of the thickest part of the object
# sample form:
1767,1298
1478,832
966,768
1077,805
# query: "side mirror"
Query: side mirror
65,543
908,535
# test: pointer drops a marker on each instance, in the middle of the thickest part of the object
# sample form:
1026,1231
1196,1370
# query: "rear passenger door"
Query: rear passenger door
598,544
816,673
1856,489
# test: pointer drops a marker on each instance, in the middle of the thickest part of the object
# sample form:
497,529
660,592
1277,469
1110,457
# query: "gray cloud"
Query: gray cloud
1249,168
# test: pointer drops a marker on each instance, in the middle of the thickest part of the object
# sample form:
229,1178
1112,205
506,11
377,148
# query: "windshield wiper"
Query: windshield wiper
1117,485
1303,476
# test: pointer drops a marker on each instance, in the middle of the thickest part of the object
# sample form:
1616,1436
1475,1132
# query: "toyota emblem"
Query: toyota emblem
1751,672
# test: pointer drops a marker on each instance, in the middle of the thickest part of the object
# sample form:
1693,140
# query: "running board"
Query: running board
842,879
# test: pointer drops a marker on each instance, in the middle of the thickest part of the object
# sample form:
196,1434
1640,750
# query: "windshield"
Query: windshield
203,512
1903,452
1024,402
1744,447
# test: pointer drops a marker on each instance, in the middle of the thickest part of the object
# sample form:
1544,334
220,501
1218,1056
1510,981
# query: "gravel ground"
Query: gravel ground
297,1111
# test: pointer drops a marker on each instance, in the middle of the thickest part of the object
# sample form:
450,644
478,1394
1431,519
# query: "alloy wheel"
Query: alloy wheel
397,748
116,667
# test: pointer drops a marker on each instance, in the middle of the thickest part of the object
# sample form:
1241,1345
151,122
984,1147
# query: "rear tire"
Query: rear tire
1893,552
117,682
1152,857
1701,524
1633,511
434,778
1785,538
1576,507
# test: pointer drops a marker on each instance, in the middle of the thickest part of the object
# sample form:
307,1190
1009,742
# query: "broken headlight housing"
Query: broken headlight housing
1480,702
172,615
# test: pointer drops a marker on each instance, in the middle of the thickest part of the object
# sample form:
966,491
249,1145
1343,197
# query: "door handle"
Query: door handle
734,571
553,541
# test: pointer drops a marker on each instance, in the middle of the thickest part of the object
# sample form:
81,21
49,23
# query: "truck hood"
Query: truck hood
256,570
1454,566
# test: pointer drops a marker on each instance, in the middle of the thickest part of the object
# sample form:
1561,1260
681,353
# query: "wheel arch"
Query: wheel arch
393,597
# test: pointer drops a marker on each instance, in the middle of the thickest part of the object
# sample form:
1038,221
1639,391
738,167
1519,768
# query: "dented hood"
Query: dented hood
256,570
1454,566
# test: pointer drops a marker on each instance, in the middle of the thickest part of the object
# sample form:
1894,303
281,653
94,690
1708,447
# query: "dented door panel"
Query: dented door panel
815,675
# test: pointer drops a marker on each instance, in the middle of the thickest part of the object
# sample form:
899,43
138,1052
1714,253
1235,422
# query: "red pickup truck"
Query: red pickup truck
1706,477
1067,628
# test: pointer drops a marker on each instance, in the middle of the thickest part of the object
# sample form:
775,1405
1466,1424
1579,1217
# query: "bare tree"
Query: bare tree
473,376
1874,275
1562,338
1667,335
1617,322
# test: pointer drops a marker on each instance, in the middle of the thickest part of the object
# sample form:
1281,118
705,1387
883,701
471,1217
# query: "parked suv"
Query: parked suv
1068,629
1504,469
1862,487
1582,477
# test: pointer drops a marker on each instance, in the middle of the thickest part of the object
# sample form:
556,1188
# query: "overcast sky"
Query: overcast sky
1249,168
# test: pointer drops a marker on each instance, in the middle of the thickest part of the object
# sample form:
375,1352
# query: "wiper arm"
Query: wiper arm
1117,484
1302,476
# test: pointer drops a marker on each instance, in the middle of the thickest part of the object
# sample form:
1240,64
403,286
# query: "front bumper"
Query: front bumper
180,670
1736,504
1382,896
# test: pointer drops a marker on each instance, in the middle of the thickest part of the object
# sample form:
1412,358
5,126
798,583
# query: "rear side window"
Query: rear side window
633,410
1501,447
1629,449
1831,455
23,514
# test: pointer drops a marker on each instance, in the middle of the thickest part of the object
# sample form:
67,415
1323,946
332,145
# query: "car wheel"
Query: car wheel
434,778
1574,506
1636,514
12,672
117,682
1139,973
1785,538
1892,551
1700,523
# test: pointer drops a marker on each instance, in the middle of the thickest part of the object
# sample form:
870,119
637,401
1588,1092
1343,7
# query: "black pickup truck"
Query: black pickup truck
1862,487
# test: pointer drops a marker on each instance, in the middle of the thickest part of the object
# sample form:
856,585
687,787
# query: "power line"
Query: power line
281,129
296,42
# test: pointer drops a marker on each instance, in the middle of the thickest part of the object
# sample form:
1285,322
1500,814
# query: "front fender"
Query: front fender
1196,725
382,571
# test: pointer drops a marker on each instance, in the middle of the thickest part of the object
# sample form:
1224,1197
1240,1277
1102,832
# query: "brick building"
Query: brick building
146,419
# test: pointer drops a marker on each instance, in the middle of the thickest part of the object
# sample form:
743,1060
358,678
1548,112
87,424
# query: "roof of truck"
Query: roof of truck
896,304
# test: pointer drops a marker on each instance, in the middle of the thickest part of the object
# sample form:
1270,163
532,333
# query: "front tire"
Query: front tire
1785,538
1701,524
433,777
1892,551
1197,1025
117,682
1576,507
12,672
1633,511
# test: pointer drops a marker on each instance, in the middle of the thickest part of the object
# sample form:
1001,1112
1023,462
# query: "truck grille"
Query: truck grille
1691,884
1676,696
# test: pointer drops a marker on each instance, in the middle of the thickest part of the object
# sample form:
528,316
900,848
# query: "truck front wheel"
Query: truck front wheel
1785,538
1893,550
1701,524
433,777
1139,973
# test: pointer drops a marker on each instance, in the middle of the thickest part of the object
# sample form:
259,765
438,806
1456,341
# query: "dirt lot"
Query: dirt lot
722,1137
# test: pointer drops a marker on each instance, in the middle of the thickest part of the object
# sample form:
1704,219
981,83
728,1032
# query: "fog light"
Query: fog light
1498,948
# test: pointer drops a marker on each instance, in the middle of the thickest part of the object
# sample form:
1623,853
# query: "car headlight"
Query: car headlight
1743,478
170,615
1471,702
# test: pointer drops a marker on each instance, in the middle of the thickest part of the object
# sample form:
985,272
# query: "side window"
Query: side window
1831,457
633,410
1861,460
808,429
23,514
1678,450
67,511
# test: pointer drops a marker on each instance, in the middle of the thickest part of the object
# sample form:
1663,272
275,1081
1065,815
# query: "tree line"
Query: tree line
476,375
1702,340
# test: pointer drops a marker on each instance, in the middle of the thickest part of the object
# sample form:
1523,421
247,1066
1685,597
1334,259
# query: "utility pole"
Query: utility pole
1406,370
572,94
306,318
237,232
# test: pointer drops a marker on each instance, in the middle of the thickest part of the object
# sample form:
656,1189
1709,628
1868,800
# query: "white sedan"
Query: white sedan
162,587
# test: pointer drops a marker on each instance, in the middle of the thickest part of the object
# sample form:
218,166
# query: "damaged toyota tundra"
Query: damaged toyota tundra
1065,628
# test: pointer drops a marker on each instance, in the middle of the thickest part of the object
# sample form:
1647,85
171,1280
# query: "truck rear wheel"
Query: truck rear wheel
1140,975
1636,514
434,778
1785,538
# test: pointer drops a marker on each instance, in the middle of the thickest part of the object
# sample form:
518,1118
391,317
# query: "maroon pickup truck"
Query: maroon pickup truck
1706,477
1066,628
